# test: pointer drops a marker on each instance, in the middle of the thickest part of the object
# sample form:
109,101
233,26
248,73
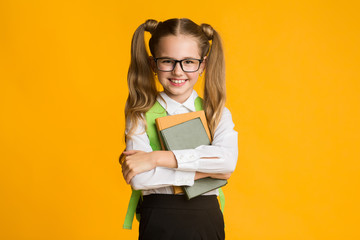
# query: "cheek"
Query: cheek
162,75
193,76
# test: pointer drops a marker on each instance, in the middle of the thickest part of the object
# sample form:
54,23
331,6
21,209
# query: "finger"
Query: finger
128,172
130,175
124,172
127,176
132,157
125,167
130,152
121,158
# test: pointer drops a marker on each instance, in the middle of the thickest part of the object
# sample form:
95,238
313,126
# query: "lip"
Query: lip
178,82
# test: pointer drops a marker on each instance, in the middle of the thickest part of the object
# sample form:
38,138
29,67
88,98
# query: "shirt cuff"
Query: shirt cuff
187,159
183,178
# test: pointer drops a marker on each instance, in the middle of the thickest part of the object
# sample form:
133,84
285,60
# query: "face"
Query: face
178,84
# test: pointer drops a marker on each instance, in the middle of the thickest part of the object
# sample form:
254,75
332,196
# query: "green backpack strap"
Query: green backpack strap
129,217
198,104
222,200
155,112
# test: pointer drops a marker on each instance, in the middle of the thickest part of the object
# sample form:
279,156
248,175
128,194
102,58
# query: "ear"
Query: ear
202,65
153,64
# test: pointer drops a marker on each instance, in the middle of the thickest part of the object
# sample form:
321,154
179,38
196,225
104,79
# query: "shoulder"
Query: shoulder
226,126
226,113
139,125
226,118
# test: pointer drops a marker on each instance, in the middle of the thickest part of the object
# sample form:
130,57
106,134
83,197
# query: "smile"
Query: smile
177,81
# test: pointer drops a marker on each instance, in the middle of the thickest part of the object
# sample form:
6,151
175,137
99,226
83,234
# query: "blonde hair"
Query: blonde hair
141,80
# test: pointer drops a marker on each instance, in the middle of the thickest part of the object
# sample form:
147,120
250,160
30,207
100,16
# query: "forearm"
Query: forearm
210,159
158,169
207,159
162,177
167,159
200,175
164,159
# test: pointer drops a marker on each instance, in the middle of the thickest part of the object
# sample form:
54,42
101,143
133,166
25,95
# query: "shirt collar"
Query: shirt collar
171,105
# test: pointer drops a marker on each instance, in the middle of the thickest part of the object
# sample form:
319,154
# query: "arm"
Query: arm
137,162
139,169
220,157
148,169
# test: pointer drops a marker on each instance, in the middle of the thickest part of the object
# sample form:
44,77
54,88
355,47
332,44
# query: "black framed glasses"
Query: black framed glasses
187,65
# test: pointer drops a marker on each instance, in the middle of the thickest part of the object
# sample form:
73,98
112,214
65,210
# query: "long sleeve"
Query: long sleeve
159,177
219,157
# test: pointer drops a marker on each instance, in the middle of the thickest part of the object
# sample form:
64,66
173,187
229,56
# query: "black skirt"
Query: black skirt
173,217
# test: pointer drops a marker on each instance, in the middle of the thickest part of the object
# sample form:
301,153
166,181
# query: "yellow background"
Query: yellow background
293,89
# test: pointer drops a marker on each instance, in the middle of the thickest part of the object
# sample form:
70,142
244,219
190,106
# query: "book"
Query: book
188,131
186,135
202,186
169,121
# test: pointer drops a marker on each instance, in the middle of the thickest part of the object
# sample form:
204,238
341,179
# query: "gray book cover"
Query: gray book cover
186,135
189,135
203,185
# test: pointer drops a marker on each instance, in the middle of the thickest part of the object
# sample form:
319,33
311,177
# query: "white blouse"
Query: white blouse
160,180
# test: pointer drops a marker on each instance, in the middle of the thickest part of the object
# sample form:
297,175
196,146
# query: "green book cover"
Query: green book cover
189,135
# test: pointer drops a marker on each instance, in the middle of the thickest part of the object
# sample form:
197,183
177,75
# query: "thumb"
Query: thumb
130,152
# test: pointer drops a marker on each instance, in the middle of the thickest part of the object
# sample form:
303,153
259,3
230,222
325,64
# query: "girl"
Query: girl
181,51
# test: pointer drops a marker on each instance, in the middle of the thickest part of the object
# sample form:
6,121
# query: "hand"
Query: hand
136,162
220,175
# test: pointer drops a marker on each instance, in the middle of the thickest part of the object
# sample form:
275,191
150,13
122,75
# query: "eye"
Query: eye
189,61
166,61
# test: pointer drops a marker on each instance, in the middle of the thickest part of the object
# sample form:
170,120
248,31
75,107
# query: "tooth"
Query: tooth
178,81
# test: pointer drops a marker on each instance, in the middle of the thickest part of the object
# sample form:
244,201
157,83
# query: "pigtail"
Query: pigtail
140,79
214,89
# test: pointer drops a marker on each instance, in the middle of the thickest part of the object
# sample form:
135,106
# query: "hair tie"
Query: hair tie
151,25
208,30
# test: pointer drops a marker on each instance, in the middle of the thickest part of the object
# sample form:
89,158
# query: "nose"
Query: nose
177,69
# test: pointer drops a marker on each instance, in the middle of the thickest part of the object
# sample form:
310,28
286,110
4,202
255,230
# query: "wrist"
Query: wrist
199,175
165,159
154,158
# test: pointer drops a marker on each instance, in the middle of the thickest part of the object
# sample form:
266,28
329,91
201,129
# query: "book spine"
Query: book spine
158,127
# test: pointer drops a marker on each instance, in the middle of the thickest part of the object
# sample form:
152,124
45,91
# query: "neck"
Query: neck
179,98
